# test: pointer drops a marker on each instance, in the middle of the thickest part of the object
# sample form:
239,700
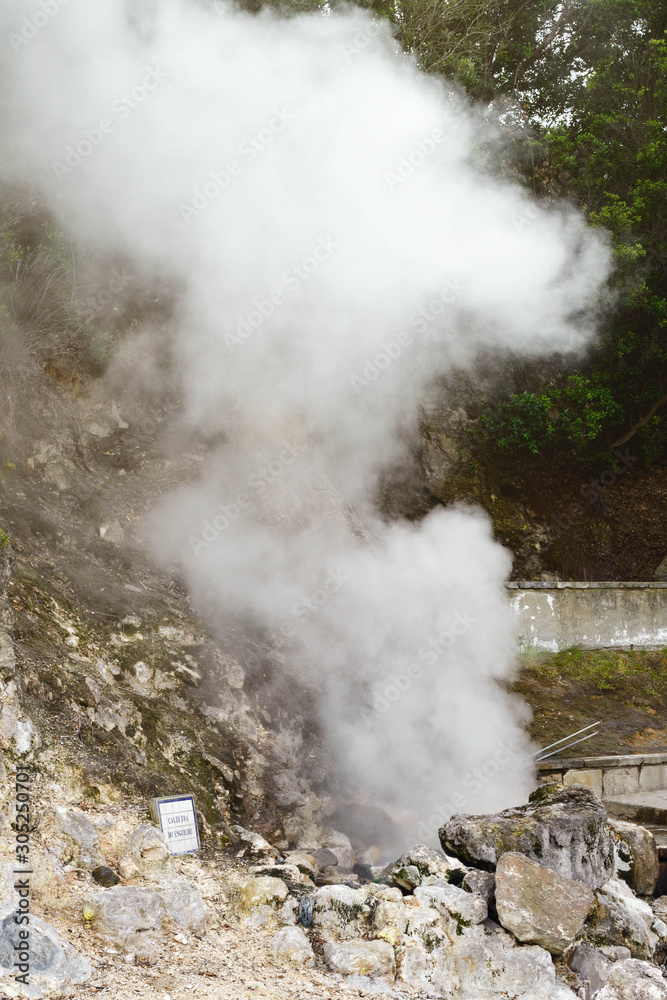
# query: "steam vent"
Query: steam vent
333,500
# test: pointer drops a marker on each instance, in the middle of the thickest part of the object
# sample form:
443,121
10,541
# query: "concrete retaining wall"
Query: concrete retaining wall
555,616
609,777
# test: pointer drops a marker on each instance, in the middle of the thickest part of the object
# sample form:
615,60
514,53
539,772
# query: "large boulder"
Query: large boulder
564,829
54,965
636,856
364,958
539,906
423,862
482,962
633,980
618,917
128,916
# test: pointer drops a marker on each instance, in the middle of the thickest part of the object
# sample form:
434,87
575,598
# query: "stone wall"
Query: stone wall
554,616
608,777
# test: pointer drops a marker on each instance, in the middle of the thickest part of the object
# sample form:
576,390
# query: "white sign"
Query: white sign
178,823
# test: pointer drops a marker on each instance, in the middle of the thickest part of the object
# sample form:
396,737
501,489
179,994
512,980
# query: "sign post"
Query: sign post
176,818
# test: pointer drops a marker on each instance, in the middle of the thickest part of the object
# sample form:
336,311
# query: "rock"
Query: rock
661,571
363,958
325,858
105,876
539,906
184,904
659,907
54,964
636,856
618,917
590,964
147,845
482,883
420,862
340,913
466,907
305,862
112,533
15,727
255,844
128,869
291,943
128,916
633,980
261,899
69,834
288,873
616,952
563,828
481,962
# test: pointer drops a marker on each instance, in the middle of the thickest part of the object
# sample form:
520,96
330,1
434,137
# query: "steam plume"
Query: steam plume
333,242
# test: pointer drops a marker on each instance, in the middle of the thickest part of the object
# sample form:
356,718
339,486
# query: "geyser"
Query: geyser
332,241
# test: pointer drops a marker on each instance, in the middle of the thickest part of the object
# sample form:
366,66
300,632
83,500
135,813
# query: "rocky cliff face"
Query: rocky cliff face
110,683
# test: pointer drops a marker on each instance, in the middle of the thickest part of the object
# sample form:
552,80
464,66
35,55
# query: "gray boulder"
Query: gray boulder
591,965
128,916
539,906
423,862
564,829
661,571
69,834
618,917
636,856
55,966
633,980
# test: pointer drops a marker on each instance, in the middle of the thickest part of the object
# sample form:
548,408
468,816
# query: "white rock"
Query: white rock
466,907
621,918
291,943
633,980
362,958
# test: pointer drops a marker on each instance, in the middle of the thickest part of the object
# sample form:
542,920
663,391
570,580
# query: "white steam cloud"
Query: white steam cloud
319,207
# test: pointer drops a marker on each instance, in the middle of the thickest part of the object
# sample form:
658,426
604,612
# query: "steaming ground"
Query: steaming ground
322,215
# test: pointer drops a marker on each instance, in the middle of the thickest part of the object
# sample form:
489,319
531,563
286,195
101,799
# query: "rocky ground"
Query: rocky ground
545,902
